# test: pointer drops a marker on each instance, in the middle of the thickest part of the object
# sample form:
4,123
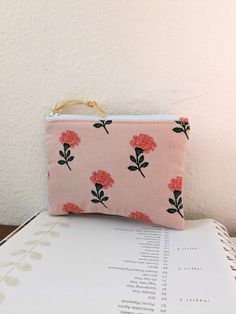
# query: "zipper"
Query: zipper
55,114
75,117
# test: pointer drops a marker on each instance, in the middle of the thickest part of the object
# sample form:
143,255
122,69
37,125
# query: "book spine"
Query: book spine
18,229
227,246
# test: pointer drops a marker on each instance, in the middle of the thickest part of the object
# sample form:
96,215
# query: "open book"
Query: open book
94,264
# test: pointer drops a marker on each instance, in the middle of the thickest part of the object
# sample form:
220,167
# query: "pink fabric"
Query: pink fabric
131,169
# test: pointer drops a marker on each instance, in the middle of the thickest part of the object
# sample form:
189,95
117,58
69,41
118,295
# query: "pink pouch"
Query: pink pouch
129,166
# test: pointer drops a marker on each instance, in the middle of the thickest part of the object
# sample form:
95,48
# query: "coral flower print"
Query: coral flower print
69,139
139,216
143,141
102,180
175,186
142,144
72,208
183,126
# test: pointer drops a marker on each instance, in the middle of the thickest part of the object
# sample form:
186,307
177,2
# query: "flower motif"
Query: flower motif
139,216
102,177
70,137
102,124
175,184
183,126
72,208
143,141
102,180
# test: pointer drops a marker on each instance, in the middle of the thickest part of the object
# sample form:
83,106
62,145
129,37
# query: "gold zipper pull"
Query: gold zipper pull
74,102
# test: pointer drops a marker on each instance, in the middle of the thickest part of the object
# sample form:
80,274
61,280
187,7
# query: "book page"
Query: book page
99,264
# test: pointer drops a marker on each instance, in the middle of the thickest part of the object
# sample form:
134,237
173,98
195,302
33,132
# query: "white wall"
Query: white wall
133,56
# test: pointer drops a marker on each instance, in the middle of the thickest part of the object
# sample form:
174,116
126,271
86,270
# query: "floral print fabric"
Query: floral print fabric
141,143
72,208
175,186
69,139
102,180
131,169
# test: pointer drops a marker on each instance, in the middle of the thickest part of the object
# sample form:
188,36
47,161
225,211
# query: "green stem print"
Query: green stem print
177,203
99,195
66,155
138,159
103,124
184,127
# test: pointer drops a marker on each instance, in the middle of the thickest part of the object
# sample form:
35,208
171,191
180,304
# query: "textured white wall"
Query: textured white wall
133,56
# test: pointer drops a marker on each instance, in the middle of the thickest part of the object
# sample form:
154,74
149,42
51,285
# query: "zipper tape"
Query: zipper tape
75,117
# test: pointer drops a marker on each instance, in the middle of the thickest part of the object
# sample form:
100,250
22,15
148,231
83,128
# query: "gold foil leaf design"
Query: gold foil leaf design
44,243
24,266
40,232
2,297
11,281
5,264
35,255
54,233
63,224
20,252
31,242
